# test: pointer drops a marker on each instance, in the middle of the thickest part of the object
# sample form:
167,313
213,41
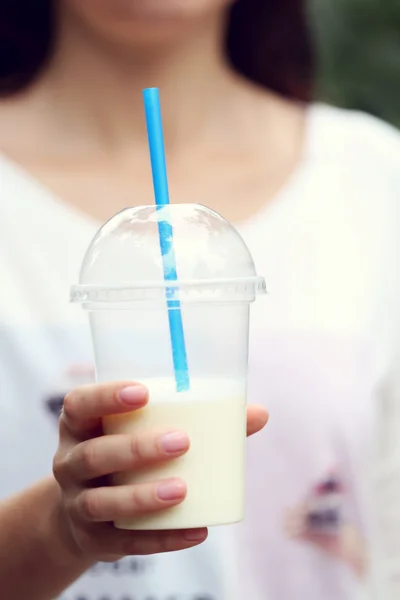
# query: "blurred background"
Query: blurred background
359,54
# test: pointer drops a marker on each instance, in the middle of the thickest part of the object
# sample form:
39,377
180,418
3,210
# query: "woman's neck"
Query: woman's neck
96,91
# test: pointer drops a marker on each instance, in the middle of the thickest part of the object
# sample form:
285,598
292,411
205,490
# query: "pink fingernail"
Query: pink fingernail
133,395
171,490
195,535
174,442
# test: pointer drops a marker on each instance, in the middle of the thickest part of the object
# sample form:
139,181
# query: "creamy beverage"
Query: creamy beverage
213,468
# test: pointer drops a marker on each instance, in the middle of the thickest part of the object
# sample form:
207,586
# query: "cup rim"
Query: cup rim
140,290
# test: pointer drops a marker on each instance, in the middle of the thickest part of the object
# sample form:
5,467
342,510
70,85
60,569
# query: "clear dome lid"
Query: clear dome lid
204,259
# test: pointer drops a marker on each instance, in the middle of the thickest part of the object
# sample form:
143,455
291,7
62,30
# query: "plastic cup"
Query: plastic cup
123,289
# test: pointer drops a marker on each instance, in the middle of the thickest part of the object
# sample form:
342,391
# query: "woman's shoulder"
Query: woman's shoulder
354,139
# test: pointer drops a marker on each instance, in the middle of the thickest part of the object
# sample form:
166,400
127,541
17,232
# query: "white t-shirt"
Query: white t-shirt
323,359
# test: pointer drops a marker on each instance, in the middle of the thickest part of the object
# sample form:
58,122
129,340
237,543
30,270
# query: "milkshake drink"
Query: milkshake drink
123,288
213,469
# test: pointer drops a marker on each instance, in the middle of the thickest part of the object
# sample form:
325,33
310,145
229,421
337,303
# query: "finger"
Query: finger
117,453
165,541
257,418
84,407
128,501
118,543
145,542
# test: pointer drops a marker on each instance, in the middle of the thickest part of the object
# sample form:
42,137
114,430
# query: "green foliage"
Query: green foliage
359,54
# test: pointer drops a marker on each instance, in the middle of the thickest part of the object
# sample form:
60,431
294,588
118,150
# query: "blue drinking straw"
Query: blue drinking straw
160,182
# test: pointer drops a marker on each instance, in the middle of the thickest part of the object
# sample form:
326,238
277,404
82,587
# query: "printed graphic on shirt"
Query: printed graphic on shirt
75,376
324,507
320,520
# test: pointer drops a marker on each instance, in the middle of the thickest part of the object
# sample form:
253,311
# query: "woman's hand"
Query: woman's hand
85,458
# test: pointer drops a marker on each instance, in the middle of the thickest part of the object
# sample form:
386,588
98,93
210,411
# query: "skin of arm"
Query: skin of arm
39,557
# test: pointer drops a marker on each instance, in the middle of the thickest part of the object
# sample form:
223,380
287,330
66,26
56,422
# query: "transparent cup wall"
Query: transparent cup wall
135,343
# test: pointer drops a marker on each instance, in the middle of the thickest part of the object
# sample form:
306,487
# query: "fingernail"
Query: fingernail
194,535
174,442
133,395
171,490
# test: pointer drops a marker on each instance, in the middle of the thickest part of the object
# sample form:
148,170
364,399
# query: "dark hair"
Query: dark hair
268,41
